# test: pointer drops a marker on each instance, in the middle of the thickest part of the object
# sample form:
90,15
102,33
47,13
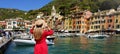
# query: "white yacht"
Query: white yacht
29,41
100,36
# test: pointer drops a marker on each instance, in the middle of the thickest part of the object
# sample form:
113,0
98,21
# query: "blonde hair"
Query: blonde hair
38,30
37,33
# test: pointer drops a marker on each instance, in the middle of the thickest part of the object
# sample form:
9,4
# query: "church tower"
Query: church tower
118,9
53,11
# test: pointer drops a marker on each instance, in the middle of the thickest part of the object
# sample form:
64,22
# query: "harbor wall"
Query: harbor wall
4,45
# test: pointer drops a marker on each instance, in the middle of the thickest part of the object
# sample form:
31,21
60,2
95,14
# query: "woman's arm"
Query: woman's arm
31,30
49,31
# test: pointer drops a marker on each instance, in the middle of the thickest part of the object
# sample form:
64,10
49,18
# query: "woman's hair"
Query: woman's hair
38,30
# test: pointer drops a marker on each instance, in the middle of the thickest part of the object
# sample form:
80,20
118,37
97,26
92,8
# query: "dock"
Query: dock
4,43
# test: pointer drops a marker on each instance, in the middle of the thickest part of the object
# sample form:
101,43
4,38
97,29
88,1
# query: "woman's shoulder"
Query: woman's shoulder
45,30
48,31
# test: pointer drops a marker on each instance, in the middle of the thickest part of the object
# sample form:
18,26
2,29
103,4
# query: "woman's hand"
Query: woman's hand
33,26
47,28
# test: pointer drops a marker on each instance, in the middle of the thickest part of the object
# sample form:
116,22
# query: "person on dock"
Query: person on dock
40,34
7,34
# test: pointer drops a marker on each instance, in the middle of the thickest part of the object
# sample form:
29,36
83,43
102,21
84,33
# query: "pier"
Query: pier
4,43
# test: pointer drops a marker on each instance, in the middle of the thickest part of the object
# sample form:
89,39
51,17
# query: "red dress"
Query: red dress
41,45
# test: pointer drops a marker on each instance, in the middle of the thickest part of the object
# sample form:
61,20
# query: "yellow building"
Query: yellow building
117,22
117,19
68,24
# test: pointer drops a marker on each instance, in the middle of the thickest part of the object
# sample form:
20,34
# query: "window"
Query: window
116,20
14,22
109,25
103,17
99,17
9,23
9,27
91,27
77,27
110,20
103,21
102,26
82,27
117,26
99,22
110,16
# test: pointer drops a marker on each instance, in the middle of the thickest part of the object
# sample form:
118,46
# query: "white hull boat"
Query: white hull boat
49,40
100,36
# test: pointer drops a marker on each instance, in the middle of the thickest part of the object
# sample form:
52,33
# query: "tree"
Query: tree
108,4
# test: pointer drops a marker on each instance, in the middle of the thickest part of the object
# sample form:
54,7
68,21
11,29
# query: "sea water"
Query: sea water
73,45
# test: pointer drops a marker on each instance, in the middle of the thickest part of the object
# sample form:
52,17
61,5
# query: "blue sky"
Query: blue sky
25,5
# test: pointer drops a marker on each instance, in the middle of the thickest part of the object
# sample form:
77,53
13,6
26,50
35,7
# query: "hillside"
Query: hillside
92,5
6,13
63,6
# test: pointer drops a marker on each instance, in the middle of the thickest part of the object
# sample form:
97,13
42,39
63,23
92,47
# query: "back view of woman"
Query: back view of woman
40,33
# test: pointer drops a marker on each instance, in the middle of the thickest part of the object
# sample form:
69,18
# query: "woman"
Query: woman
40,33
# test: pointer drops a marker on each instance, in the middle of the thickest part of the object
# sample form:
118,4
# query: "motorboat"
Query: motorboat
24,41
31,41
100,36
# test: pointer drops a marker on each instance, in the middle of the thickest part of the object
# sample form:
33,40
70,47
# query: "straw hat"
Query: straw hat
39,22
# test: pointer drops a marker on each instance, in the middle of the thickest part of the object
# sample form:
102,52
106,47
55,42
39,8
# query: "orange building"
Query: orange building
109,22
76,21
80,21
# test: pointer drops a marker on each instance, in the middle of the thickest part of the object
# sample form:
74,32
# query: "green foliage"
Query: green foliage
93,5
10,13
108,5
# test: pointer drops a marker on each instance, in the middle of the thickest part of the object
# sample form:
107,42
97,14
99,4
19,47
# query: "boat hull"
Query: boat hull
99,36
50,41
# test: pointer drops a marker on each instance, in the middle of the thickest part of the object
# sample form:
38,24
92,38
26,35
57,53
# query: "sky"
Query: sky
25,5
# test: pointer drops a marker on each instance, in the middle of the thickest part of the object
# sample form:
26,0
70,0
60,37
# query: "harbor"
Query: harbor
63,43
73,45
60,27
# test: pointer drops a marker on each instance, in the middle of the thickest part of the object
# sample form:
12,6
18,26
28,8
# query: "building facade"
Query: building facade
2,24
105,20
17,23
78,20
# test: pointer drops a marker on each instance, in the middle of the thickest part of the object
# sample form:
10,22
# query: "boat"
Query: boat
99,36
31,41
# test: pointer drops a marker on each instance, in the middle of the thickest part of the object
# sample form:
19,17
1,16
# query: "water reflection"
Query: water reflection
112,46
83,42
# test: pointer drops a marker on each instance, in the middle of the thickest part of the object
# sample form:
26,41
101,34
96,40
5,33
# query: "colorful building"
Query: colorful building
68,24
2,24
17,23
55,20
79,20
117,19
28,24
107,20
